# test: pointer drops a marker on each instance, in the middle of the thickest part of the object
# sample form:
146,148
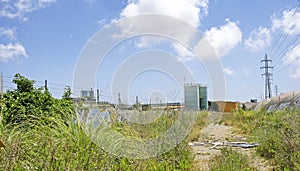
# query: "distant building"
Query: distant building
195,97
224,106
87,94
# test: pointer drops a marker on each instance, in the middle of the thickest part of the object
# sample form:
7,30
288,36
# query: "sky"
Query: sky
44,39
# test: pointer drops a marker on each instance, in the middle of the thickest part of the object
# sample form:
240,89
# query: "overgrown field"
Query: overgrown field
277,132
42,133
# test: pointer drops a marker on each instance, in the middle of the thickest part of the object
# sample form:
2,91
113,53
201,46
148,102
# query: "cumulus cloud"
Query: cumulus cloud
228,71
190,11
292,57
259,38
289,22
183,53
224,38
20,8
11,50
7,33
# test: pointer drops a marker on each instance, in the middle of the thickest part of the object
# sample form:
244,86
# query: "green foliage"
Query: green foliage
67,93
279,136
23,84
60,146
278,133
40,134
230,160
28,103
196,130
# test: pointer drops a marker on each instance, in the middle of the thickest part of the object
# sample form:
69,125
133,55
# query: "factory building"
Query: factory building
88,95
195,97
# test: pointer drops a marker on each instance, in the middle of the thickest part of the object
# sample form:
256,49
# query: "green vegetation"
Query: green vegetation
27,104
278,133
230,160
41,133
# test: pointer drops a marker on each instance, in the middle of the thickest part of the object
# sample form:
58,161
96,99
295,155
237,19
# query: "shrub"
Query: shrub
27,103
277,132
230,160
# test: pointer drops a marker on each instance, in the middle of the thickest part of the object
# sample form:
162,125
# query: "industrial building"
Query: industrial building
195,97
87,93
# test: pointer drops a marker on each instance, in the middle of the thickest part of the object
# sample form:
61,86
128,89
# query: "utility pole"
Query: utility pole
119,99
98,96
46,85
267,76
1,86
276,90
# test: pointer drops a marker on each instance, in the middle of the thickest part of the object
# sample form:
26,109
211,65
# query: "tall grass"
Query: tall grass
230,159
278,133
51,143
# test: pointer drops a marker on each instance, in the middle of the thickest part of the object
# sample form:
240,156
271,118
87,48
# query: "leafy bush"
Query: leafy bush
27,103
278,134
279,137
230,160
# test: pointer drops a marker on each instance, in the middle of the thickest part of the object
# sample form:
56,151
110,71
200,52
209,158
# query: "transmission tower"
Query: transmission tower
267,75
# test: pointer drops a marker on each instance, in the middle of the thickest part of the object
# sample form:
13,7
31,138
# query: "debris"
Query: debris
216,144
232,144
197,144
248,145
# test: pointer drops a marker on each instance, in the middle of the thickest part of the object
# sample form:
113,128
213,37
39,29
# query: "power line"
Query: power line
286,49
282,32
285,66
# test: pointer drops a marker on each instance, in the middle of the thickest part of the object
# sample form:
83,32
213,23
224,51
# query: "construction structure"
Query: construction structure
268,76
195,97
223,106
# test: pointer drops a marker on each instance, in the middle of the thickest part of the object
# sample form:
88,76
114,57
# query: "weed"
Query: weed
230,160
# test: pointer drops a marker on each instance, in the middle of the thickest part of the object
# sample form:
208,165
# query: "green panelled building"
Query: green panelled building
195,97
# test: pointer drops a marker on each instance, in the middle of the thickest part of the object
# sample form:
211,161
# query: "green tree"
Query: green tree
23,84
67,93
27,103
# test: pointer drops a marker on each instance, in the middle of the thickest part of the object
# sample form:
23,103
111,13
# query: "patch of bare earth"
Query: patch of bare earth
214,134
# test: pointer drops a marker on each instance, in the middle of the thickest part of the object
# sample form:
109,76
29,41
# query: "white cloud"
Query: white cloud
183,53
7,33
289,22
101,22
148,41
293,58
259,38
228,71
190,11
9,51
20,8
224,38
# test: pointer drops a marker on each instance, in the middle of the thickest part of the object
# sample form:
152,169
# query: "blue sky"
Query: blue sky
42,39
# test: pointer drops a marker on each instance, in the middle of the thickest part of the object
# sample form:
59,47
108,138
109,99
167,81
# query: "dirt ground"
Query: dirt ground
218,133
